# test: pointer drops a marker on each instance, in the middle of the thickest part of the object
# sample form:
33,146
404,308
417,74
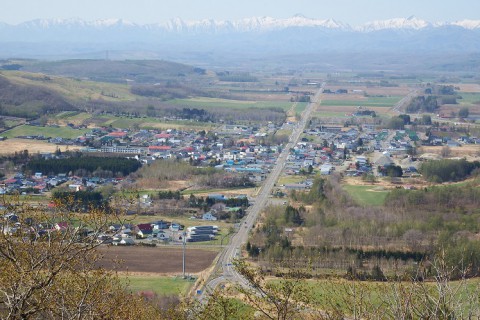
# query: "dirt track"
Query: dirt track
157,259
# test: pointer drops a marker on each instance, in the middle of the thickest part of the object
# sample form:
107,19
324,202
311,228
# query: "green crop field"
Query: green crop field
73,116
12,123
366,195
234,104
62,132
160,285
66,114
300,107
151,123
290,179
369,102
469,98
283,132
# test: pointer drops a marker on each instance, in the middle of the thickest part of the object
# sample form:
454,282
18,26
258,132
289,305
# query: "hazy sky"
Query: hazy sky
354,12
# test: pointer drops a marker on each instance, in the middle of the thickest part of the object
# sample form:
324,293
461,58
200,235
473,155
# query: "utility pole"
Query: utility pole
183,255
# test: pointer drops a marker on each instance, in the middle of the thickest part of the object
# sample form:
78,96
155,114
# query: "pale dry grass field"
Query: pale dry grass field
233,192
467,87
447,109
349,109
13,145
470,151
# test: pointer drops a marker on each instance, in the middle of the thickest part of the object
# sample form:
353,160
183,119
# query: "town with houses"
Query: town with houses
350,150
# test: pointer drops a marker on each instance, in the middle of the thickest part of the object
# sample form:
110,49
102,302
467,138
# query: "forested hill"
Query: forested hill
29,100
136,71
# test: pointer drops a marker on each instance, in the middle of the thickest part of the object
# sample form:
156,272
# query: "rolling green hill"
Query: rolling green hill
139,71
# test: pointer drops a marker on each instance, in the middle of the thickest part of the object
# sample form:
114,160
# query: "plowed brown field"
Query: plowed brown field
156,259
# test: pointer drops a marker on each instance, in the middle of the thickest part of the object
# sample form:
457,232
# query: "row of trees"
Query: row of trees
391,171
410,221
460,197
226,180
423,104
81,200
123,166
169,194
448,169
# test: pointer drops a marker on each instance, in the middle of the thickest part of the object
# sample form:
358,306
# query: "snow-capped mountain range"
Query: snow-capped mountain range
265,36
243,25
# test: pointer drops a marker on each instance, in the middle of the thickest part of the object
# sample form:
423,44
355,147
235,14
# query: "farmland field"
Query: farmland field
364,102
12,123
471,152
151,123
161,285
74,117
10,146
300,107
159,260
366,195
469,98
223,103
468,87
330,114
290,179
27,130
401,90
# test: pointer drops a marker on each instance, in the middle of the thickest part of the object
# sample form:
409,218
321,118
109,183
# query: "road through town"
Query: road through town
223,269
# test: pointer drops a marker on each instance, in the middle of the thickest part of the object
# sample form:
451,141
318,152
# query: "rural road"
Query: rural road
223,269
401,105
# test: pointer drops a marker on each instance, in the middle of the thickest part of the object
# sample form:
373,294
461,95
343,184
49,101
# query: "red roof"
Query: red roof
118,134
159,148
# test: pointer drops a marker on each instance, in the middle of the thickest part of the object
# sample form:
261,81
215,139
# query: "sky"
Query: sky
353,12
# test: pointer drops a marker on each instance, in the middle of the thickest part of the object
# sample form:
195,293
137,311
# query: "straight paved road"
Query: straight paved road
224,269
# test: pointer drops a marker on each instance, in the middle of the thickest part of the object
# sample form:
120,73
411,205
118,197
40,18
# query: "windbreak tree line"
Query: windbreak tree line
81,200
448,169
115,165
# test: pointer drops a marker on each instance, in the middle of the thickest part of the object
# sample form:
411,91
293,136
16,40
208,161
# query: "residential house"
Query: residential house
209,216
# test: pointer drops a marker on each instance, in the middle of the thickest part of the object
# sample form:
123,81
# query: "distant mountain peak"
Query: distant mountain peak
411,22
259,35
252,24
467,24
